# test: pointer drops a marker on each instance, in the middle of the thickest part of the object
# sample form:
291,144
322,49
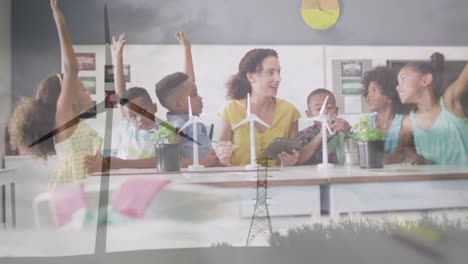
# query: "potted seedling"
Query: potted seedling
370,142
167,150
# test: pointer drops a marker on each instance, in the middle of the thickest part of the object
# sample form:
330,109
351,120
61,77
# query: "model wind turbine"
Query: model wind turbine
323,118
251,118
193,120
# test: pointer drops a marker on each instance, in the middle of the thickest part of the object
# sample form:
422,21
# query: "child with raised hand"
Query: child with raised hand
311,137
173,92
50,123
138,131
439,127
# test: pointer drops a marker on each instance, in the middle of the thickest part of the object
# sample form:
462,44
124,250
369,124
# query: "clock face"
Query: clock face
320,14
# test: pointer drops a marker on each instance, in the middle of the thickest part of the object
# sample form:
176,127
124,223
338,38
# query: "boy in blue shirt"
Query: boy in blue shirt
172,92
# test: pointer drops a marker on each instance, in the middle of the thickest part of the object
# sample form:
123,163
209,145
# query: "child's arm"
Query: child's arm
406,144
96,163
117,56
188,67
414,158
70,69
148,163
394,158
453,94
403,142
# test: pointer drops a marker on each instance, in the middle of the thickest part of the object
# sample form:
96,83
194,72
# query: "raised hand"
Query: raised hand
182,39
118,45
58,17
188,61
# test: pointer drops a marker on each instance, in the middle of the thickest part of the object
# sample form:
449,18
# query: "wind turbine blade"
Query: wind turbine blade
249,110
199,120
325,123
189,107
188,123
317,118
247,120
257,119
322,109
100,107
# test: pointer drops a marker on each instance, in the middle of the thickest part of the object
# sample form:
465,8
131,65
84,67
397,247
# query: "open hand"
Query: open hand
182,39
117,45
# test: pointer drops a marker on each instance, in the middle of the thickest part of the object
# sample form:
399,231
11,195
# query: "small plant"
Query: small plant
165,134
362,131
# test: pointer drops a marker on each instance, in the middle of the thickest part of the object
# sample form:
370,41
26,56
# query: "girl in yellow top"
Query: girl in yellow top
50,123
259,75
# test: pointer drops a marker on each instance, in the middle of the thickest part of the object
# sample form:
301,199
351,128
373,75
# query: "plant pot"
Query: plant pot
351,152
168,157
371,154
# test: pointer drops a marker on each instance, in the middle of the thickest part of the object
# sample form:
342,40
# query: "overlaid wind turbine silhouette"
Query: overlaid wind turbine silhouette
193,120
323,119
251,118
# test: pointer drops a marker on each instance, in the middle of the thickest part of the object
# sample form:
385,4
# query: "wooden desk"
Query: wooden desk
395,188
7,176
293,191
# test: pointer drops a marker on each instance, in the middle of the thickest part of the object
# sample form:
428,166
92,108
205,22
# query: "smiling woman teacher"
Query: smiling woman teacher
259,75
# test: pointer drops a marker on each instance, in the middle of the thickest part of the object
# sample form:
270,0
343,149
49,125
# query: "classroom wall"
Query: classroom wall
5,69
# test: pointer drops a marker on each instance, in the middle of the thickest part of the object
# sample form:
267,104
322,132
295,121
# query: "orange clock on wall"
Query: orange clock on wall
320,14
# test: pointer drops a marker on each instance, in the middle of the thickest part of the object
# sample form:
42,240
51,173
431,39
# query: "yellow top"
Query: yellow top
71,153
235,111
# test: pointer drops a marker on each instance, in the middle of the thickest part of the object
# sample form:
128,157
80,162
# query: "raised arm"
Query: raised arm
119,76
188,62
461,83
453,94
117,57
70,68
